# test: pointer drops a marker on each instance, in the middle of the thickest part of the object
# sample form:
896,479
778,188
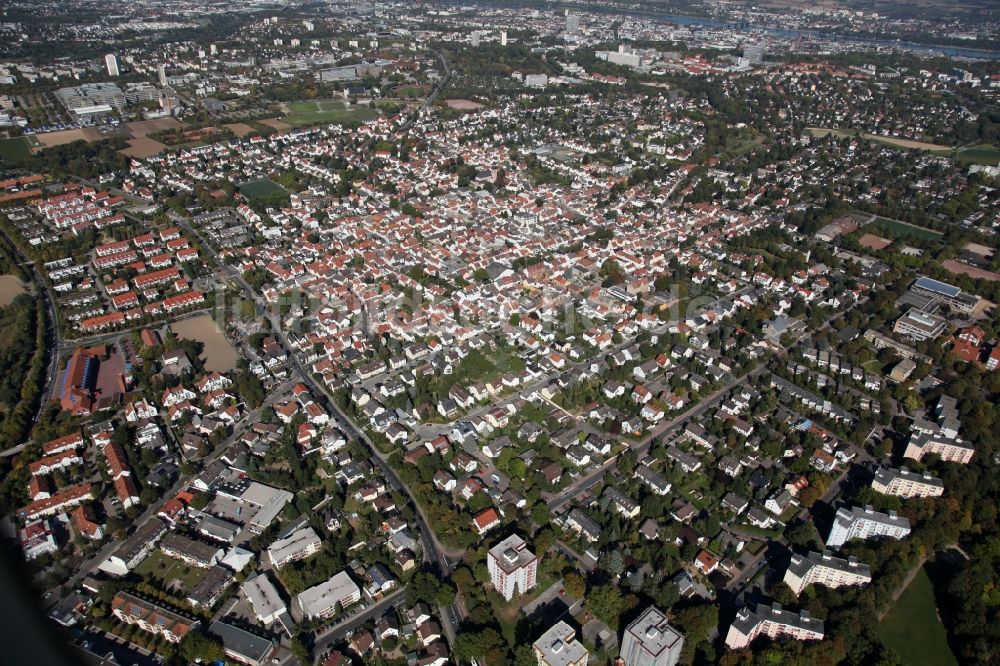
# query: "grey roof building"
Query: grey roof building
651,641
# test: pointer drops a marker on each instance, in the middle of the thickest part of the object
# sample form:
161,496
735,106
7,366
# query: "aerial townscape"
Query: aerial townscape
507,332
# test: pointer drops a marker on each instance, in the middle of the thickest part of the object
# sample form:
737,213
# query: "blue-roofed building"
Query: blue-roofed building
935,287
926,293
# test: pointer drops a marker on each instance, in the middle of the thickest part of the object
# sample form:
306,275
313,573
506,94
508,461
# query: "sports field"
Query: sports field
325,112
985,155
265,188
897,229
912,628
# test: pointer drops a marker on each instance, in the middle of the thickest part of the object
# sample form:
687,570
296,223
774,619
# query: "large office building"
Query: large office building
754,53
857,523
558,647
90,98
935,292
651,641
773,622
299,545
904,483
572,23
939,436
512,567
919,325
826,570
322,600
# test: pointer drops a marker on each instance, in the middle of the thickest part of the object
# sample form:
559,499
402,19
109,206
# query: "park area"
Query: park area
175,574
912,628
323,112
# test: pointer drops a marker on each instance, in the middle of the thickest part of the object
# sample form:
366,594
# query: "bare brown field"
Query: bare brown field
240,129
61,137
959,268
142,128
873,242
10,288
276,123
142,147
463,104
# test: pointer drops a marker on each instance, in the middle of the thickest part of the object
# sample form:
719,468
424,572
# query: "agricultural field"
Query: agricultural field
912,628
897,229
321,112
14,150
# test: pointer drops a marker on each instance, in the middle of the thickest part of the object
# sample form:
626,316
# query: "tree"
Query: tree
574,585
540,514
196,646
605,601
476,644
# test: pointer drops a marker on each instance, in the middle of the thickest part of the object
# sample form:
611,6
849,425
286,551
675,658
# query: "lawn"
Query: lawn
324,112
14,150
897,229
986,155
912,628
265,188
172,571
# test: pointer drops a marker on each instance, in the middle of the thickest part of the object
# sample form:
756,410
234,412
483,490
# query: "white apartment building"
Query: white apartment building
299,545
513,568
939,436
904,483
650,641
857,523
321,600
263,598
558,647
826,570
773,622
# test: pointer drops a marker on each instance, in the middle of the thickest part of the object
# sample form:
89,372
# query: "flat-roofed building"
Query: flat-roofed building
558,647
651,641
321,601
904,483
920,325
241,645
299,545
824,569
774,622
857,523
263,598
943,292
512,567
940,436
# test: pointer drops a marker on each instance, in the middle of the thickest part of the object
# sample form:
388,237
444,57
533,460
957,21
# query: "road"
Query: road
327,638
440,556
586,482
91,565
